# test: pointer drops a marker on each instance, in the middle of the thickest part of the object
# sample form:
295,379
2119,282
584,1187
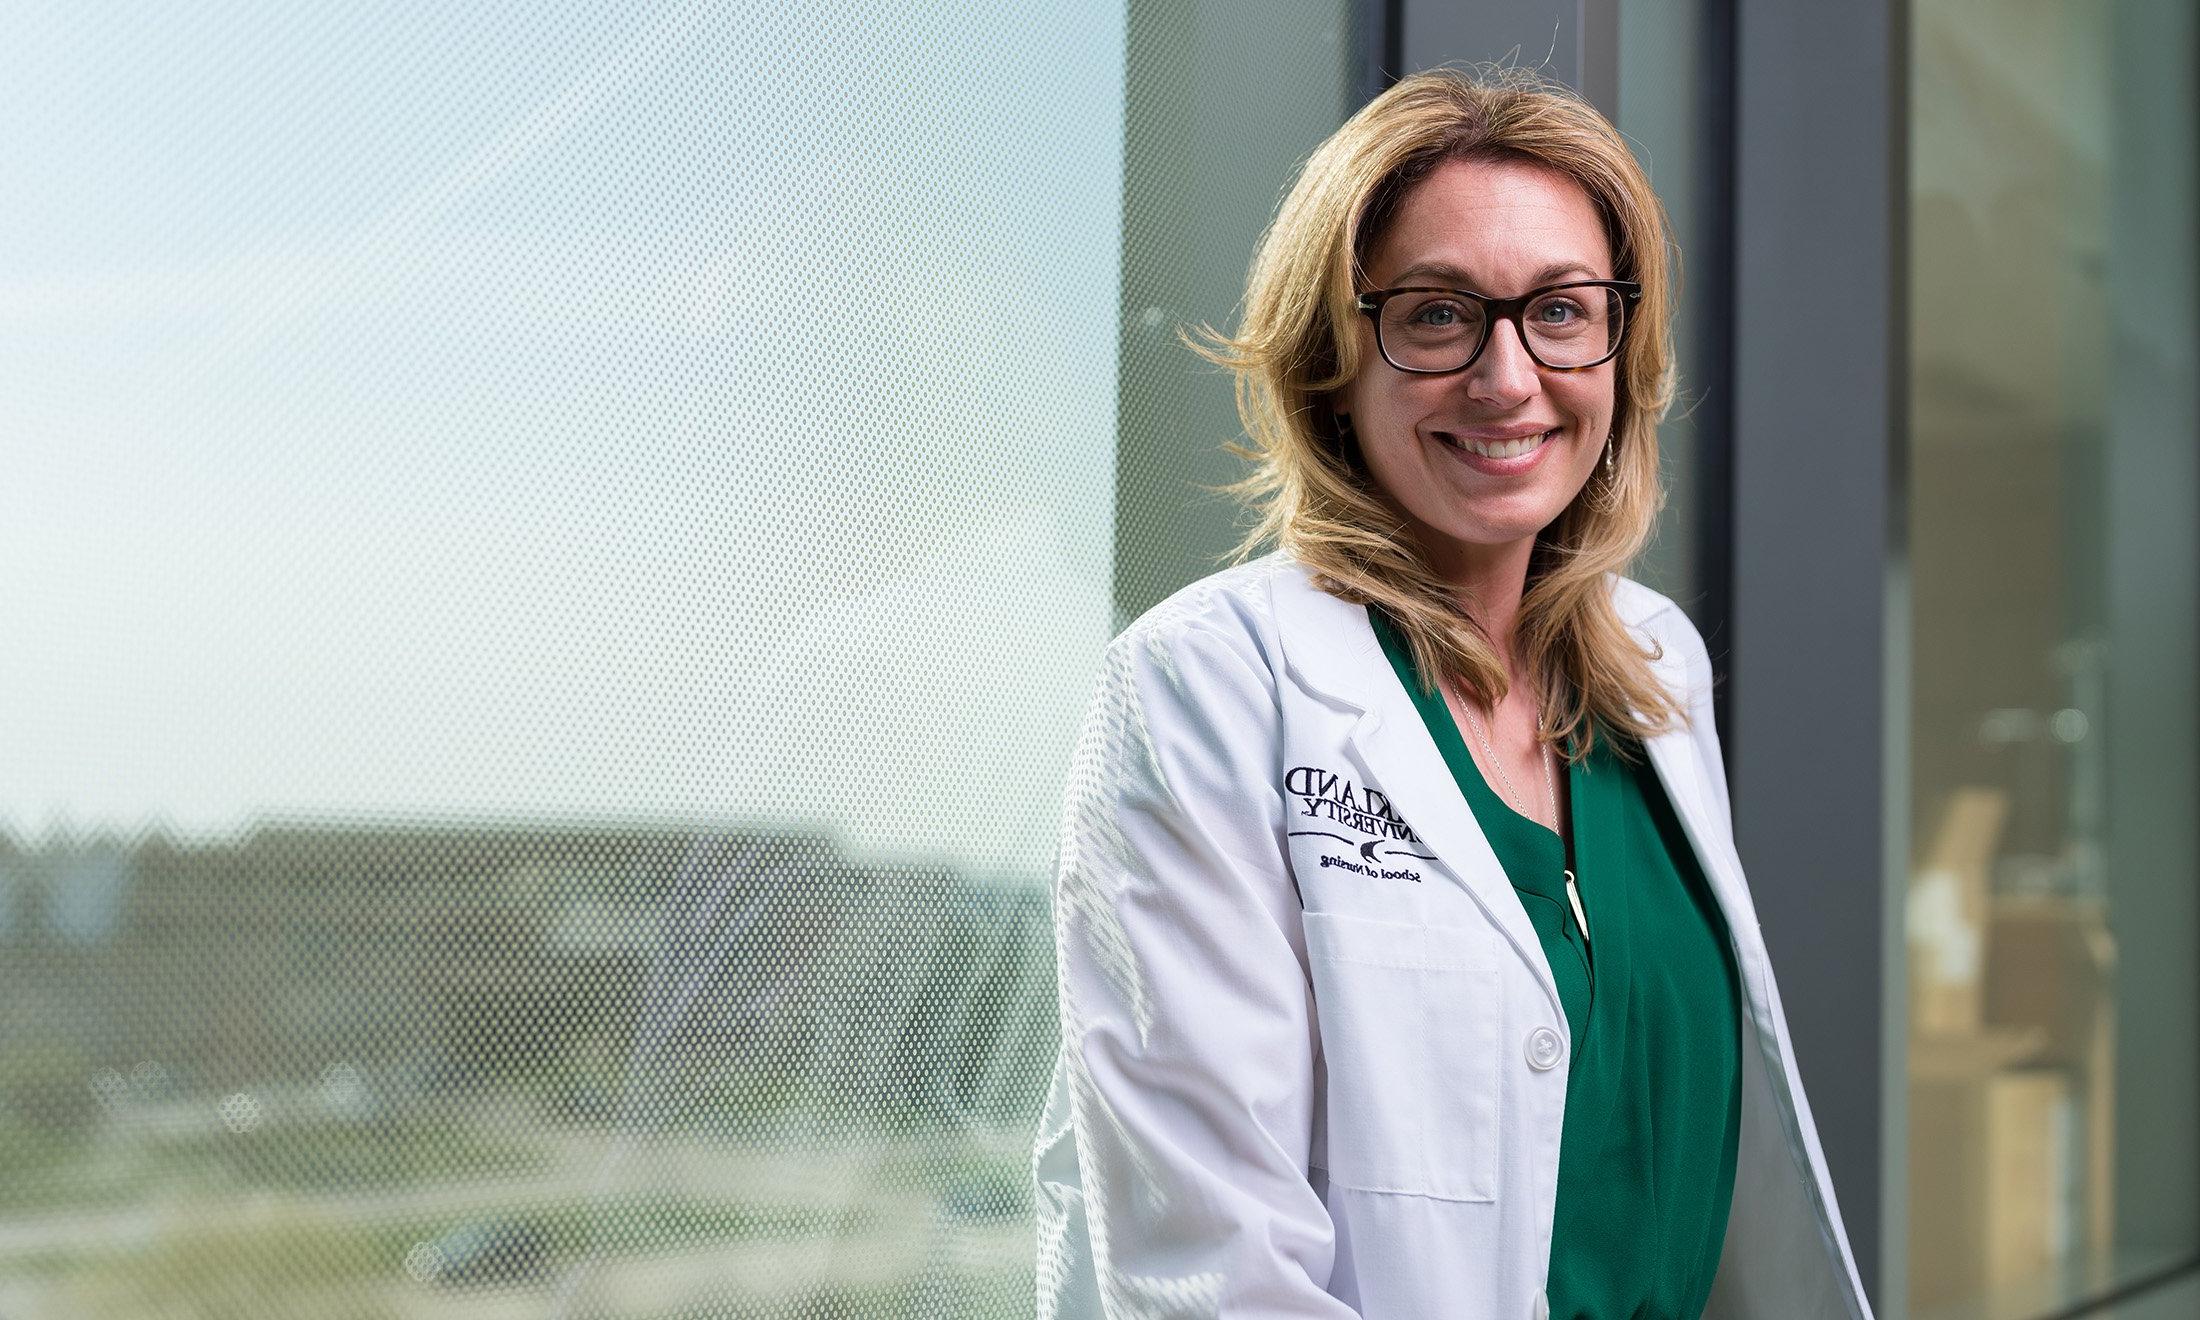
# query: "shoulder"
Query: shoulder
1640,606
1186,715
1653,615
1191,687
1231,611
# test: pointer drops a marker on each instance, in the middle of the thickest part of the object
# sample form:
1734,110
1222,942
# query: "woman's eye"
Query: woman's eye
1433,313
1564,310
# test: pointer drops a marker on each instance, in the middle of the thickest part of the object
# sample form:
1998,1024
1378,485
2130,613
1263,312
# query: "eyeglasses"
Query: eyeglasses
1565,327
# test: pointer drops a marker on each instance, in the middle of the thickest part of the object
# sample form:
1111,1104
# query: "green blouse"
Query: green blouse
1653,1096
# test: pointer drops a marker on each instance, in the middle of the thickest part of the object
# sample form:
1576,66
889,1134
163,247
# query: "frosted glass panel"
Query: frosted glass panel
553,559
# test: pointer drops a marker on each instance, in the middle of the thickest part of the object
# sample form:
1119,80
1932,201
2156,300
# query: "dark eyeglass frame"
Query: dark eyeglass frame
1501,309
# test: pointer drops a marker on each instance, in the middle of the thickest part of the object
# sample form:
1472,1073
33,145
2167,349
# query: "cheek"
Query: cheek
1594,398
1404,401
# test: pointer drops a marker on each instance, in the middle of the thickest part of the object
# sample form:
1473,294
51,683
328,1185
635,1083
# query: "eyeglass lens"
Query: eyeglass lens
1437,331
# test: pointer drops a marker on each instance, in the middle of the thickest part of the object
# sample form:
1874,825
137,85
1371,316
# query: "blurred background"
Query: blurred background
551,558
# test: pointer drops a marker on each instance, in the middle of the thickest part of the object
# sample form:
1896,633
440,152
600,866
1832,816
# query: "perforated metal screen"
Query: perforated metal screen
551,558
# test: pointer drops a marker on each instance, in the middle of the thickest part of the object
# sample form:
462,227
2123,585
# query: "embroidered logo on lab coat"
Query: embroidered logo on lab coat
1331,806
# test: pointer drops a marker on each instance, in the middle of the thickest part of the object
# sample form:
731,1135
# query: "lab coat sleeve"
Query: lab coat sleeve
1186,1013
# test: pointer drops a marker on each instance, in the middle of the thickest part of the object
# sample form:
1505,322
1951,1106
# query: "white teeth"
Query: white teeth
1502,449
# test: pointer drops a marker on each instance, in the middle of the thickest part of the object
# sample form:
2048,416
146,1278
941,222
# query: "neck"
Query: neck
1488,582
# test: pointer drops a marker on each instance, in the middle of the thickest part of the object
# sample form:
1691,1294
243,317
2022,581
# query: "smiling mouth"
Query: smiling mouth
1498,449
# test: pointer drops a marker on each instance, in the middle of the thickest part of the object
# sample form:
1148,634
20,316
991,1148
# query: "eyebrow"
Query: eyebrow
1446,271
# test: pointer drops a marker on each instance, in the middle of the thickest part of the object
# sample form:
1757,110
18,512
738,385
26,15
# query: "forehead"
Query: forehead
1494,224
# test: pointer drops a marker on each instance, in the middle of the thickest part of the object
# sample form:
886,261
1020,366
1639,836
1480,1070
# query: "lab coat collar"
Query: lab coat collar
1331,647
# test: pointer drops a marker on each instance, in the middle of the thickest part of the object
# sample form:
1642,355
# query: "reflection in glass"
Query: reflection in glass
2050,926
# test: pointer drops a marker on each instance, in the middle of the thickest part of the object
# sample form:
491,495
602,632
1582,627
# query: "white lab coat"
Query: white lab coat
1313,1063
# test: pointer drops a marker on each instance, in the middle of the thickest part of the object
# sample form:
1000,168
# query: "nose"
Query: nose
1504,375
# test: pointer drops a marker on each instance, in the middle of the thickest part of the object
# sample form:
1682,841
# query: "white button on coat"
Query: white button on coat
1293,978
1544,1049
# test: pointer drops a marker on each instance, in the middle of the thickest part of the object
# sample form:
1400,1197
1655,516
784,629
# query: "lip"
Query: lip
1499,467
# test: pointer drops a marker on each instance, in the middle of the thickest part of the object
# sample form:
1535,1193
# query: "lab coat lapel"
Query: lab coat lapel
1331,645
1395,750
1678,757
1679,761
1680,768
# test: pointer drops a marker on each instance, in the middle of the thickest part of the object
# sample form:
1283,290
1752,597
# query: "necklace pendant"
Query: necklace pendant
1573,895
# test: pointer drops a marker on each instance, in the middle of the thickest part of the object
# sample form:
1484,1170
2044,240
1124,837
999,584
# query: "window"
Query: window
554,556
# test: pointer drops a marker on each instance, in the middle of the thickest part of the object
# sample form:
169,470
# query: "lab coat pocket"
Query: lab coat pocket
1409,1017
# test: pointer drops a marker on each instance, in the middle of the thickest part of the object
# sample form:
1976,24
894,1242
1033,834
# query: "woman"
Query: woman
1406,965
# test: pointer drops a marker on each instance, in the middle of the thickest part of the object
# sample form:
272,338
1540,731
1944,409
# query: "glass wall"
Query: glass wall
2051,920
553,556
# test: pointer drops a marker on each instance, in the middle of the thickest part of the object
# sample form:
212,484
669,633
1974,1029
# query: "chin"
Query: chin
1504,528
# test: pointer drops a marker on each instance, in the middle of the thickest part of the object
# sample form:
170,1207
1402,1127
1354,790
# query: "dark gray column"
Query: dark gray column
2145,672
1816,738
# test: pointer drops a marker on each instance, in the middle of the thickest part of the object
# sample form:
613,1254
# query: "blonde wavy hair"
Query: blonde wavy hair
1298,344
